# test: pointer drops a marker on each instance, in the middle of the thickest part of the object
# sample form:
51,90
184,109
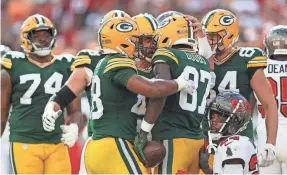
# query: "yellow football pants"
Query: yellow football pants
112,156
182,156
40,158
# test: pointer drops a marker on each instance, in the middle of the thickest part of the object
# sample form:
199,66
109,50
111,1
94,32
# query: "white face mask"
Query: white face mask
43,52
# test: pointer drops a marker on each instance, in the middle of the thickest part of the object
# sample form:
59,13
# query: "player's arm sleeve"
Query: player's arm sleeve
119,70
257,61
163,55
6,62
82,59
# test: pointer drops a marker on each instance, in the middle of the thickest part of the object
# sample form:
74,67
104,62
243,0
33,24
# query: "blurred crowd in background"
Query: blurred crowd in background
77,21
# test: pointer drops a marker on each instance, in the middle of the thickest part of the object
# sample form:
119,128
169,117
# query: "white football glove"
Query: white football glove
185,84
70,134
267,156
50,116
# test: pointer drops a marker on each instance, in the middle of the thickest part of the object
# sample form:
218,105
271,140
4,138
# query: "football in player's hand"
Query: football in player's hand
154,153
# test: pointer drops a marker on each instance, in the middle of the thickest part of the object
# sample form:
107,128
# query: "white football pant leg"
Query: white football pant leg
83,166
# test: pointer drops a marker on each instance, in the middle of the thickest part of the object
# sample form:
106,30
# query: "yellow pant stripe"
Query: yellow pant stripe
124,157
129,161
132,156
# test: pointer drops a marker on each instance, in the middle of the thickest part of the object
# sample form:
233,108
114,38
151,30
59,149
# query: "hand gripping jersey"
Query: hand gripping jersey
235,155
183,113
32,88
235,74
89,59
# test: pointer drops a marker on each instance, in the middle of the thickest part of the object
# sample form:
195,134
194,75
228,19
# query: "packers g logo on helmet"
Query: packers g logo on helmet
124,27
226,20
164,23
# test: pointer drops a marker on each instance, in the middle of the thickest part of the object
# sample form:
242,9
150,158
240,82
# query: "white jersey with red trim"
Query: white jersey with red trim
235,155
276,73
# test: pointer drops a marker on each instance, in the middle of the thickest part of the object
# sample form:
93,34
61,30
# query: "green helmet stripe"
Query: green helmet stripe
151,23
207,17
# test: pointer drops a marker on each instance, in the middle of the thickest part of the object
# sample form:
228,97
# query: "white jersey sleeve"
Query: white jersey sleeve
235,155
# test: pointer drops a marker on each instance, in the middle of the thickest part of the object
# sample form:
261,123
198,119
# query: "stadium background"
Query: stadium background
77,22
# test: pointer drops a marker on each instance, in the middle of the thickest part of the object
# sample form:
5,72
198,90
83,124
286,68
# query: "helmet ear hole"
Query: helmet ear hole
165,40
112,26
124,45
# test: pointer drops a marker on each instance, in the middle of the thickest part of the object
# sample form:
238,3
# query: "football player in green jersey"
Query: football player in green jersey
114,84
180,114
95,56
29,79
143,53
240,69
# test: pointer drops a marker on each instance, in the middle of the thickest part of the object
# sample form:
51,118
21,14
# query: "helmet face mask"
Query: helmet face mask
147,25
228,114
275,41
215,40
224,24
145,47
41,40
38,35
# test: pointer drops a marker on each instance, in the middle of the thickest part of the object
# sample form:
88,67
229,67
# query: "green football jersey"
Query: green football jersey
112,101
235,74
183,113
88,58
32,86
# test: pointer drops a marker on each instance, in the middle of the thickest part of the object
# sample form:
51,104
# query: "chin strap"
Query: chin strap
212,146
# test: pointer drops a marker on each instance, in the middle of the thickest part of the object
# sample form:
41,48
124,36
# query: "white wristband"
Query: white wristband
181,83
204,47
145,126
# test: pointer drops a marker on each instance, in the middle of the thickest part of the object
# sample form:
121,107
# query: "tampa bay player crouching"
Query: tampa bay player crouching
114,84
229,114
29,79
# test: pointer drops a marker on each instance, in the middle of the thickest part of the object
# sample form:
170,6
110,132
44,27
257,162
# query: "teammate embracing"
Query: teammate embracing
114,85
